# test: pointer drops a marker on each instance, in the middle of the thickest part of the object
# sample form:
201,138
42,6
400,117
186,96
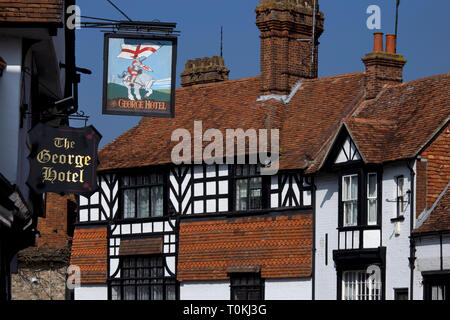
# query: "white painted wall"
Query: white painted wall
11,52
92,292
428,259
275,289
397,252
288,289
217,290
327,197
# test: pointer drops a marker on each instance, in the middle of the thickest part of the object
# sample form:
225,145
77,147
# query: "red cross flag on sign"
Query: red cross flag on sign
133,52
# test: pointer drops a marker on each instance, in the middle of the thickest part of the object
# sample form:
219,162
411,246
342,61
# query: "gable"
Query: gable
347,151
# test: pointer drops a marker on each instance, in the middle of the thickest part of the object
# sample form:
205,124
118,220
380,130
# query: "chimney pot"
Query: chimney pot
390,43
378,42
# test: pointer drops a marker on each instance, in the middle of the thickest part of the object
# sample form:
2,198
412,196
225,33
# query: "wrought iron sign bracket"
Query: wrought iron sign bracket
142,27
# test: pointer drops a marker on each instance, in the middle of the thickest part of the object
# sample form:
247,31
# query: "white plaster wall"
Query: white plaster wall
397,252
11,51
217,290
91,292
288,289
428,253
327,197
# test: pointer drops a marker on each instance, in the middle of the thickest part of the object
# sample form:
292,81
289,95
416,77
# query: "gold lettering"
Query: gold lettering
87,159
49,174
64,143
59,142
43,156
79,161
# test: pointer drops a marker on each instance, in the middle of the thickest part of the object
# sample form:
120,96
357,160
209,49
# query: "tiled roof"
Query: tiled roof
31,11
314,112
280,246
399,123
89,252
439,218
396,125
228,104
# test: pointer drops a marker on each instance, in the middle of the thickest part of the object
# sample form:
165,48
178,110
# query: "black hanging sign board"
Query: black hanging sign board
63,160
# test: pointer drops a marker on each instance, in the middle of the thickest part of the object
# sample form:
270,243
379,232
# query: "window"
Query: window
350,200
358,285
438,292
372,199
142,278
400,181
247,286
436,287
401,294
248,185
142,196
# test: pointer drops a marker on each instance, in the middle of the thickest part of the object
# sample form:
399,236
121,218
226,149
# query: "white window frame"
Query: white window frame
354,201
400,194
356,285
375,199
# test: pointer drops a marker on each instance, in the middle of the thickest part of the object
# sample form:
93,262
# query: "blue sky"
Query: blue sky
423,40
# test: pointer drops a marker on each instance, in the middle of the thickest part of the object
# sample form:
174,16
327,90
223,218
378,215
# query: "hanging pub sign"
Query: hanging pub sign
63,160
139,75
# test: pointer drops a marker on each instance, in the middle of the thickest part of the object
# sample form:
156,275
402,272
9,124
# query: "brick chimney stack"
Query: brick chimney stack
382,67
206,70
286,43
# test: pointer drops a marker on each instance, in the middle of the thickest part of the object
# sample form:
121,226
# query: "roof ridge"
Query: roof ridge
212,84
343,75
437,76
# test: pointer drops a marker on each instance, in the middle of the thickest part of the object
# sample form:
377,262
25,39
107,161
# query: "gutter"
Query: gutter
412,241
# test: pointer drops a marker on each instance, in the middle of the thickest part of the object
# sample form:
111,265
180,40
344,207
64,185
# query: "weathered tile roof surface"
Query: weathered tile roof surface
280,246
89,252
31,11
439,218
395,125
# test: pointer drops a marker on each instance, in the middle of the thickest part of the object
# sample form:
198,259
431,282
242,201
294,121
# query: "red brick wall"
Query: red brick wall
421,187
53,228
45,11
437,155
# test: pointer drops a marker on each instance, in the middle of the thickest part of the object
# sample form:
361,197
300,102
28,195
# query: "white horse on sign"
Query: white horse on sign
134,78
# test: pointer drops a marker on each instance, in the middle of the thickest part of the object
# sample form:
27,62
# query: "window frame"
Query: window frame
401,291
363,173
356,202
162,280
433,280
135,186
248,177
260,287
360,284
399,213
368,199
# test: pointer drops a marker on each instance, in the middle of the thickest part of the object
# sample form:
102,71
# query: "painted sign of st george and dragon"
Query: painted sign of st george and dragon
139,75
